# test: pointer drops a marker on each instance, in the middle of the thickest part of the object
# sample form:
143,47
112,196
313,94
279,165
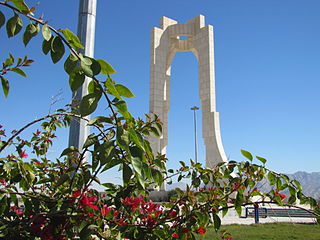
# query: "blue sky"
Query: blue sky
267,57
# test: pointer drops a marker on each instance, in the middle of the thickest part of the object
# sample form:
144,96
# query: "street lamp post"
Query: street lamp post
195,133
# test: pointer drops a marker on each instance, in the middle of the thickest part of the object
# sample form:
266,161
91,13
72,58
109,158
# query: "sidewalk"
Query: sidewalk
233,218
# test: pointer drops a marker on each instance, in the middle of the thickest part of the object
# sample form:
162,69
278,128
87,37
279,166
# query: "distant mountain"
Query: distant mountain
310,183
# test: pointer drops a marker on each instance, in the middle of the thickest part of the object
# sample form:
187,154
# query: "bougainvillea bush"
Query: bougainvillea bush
44,198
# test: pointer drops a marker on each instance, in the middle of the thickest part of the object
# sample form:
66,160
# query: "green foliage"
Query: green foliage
5,86
72,39
14,25
21,6
31,31
2,19
46,33
43,198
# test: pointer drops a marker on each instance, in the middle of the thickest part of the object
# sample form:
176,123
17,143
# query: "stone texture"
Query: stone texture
165,42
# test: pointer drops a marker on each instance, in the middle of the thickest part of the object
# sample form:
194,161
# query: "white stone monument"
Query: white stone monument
165,42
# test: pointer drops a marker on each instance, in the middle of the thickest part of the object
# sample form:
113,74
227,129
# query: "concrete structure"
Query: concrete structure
86,33
165,42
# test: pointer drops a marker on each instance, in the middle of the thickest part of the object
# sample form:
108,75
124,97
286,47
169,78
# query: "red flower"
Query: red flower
38,132
133,202
172,214
201,189
23,154
122,223
229,238
149,221
17,210
175,235
105,210
88,201
76,193
116,213
201,230
282,196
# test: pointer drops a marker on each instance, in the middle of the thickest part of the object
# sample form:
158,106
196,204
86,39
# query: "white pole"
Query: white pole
86,32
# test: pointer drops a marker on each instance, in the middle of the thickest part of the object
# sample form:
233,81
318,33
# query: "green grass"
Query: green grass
268,231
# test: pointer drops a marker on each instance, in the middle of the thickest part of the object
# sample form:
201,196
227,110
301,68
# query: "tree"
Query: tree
42,198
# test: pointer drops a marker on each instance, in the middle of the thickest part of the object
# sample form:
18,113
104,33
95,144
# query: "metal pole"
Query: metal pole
195,133
86,32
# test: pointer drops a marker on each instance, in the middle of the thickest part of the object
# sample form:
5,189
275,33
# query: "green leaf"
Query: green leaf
292,200
57,49
122,108
298,185
136,138
3,204
46,46
136,159
239,202
19,71
106,154
14,25
9,61
5,86
2,19
46,32
87,231
76,79
124,91
109,84
278,200
122,138
94,87
69,150
91,139
31,31
72,39
126,174
157,177
89,104
106,68
217,222
21,5
90,66
71,63
9,166
100,119
261,159
272,178
247,154
155,131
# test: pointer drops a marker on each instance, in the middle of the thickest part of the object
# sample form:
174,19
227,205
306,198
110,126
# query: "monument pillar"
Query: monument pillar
165,42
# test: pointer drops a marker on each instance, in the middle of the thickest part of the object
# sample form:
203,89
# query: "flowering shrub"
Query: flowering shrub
42,198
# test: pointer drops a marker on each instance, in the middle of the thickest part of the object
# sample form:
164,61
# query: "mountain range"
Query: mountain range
310,183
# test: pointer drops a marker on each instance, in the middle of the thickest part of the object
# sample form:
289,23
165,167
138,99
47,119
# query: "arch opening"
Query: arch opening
184,94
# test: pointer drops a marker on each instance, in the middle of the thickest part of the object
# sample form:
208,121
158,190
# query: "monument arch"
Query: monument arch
196,37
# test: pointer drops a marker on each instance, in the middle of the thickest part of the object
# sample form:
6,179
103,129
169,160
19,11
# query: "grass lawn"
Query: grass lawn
268,231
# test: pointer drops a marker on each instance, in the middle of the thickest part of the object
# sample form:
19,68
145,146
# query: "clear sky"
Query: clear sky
267,57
